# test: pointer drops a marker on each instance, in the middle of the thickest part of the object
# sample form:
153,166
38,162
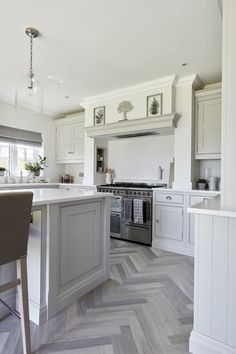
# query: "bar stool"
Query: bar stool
15,215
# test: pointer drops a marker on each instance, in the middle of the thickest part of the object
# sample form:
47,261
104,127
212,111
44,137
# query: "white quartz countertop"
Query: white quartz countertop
47,196
211,207
198,191
42,184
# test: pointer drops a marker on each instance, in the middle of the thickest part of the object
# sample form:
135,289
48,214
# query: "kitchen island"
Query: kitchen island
68,248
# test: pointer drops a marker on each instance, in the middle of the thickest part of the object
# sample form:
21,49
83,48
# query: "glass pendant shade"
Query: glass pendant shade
29,95
29,92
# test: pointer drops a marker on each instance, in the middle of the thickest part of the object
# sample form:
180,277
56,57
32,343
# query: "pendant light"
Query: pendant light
29,92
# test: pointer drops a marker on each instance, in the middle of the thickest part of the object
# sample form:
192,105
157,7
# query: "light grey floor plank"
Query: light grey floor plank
146,307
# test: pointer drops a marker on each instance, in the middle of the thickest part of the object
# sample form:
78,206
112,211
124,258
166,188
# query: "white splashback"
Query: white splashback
140,158
213,165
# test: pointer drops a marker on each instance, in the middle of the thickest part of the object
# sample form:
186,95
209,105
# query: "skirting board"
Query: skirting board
199,344
37,312
83,288
162,245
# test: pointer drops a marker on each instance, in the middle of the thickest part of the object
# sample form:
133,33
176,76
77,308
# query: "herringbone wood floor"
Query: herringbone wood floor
145,308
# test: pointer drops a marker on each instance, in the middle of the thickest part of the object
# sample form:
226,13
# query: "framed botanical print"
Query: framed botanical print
99,115
154,105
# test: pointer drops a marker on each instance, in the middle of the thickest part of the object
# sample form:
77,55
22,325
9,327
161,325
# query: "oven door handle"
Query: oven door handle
136,227
115,214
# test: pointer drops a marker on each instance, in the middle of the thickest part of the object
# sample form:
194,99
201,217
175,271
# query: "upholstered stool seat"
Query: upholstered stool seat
15,215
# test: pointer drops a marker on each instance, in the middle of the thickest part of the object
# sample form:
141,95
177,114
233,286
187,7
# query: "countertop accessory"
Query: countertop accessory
29,92
202,184
161,170
2,171
124,107
37,166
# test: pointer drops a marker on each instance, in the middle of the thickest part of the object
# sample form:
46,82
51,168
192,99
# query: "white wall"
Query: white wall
140,158
75,169
37,122
213,165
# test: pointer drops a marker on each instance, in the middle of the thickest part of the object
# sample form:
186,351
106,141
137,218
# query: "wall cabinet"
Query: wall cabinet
208,123
70,140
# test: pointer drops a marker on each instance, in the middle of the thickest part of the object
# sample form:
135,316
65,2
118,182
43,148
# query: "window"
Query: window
14,156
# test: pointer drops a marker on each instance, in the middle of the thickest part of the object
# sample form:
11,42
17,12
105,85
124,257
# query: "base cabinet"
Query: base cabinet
169,222
173,227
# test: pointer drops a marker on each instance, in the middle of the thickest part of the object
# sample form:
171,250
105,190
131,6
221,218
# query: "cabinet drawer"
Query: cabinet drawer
169,198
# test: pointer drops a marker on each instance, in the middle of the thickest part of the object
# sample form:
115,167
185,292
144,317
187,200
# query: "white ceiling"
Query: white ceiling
99,45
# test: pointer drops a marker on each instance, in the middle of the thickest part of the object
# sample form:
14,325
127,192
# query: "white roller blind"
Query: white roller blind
19,136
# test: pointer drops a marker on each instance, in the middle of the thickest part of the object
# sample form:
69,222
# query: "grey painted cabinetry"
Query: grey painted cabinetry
173,227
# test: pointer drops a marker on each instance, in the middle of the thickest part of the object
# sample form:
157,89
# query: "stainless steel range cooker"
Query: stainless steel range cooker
131,210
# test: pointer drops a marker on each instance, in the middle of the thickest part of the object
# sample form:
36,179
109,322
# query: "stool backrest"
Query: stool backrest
15,215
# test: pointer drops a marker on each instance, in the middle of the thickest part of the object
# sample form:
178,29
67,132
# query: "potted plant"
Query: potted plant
35,167
2,171
202,184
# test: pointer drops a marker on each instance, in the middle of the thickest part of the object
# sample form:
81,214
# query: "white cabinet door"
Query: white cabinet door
70,143
208,128
80,242
78,142
64,143
169,222
194,199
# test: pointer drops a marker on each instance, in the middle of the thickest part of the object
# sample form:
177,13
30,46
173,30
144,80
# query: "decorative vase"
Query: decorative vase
2,173
108,178
201,186
37,173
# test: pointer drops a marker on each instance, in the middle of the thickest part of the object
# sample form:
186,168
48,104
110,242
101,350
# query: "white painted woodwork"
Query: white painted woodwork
80,241
169,198
175,228
169,222
68,252
163,125
70,139
228,165
214,285
194,199
185,166
208,123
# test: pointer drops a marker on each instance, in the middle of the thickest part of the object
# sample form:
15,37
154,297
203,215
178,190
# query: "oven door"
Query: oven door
115,224
116,204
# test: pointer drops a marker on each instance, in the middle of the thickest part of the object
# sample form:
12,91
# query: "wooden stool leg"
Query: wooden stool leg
23,304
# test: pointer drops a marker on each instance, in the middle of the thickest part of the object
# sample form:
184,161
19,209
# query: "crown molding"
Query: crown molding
154,84
193,80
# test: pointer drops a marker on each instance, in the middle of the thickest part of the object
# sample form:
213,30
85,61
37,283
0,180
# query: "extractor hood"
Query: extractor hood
159,125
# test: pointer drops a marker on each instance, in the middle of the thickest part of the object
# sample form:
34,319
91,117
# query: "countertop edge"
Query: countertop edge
211,207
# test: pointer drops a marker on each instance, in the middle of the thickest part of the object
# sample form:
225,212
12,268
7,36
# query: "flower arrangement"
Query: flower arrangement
109,170
110,174
36,166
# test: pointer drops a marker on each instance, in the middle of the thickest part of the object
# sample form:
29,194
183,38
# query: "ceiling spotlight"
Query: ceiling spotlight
185,64
29,92
67,97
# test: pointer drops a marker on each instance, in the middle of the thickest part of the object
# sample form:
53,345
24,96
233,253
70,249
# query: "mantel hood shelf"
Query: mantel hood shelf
160,125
